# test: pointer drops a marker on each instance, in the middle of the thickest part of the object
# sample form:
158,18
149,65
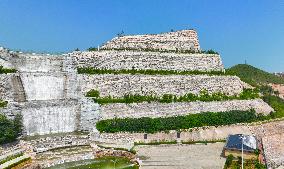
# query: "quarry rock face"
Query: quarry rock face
50,94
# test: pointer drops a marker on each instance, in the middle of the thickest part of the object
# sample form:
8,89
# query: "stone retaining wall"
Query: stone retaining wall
274,150
196,134
53,116
117,60
5,56
46,143
119,85
89,114
259,130
179,40
137,110
7,87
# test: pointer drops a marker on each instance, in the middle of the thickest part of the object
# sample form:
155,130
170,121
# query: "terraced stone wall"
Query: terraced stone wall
6,87
119,85
137,110
117,60
179,40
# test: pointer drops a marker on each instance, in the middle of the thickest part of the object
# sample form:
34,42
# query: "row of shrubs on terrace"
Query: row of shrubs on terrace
210,51
90,70
153,125
6,70
168,98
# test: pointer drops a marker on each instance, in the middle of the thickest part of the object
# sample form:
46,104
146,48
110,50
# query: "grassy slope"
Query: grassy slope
258,77
253,75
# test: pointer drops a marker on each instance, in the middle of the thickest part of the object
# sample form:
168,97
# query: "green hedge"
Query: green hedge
152,125
11,158
10,129
168,98
90,70
18,163
5,70
210,51
3,103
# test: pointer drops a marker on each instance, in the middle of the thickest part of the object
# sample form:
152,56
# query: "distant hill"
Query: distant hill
253,75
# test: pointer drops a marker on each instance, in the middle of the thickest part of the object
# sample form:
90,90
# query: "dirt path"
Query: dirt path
197,156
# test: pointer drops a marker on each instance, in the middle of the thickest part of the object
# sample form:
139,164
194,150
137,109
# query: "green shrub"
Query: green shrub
155,143
93,93
3,103
203,142
229,160
210,51
276,103
6,70
168,98
10,129
18,163
152,125
159,50
92,49
90,70
10,158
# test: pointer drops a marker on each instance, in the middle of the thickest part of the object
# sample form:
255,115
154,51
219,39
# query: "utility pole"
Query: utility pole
242,151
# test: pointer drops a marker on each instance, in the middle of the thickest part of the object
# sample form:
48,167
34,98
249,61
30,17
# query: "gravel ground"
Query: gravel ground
196,156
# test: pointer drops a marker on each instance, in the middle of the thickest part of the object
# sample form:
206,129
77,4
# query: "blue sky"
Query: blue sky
251,30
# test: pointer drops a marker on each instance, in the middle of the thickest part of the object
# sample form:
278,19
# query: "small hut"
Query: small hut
234,146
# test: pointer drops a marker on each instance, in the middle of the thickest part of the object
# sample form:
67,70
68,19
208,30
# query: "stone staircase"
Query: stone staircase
19,94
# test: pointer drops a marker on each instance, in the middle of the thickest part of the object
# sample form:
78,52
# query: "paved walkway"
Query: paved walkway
197,156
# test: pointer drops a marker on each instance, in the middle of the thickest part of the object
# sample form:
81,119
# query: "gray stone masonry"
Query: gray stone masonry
179,40
117,60
154,109
119,85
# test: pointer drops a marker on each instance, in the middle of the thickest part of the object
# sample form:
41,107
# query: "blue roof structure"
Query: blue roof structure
234,142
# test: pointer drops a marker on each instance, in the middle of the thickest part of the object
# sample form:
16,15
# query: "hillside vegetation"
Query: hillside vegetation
253,75
260,79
